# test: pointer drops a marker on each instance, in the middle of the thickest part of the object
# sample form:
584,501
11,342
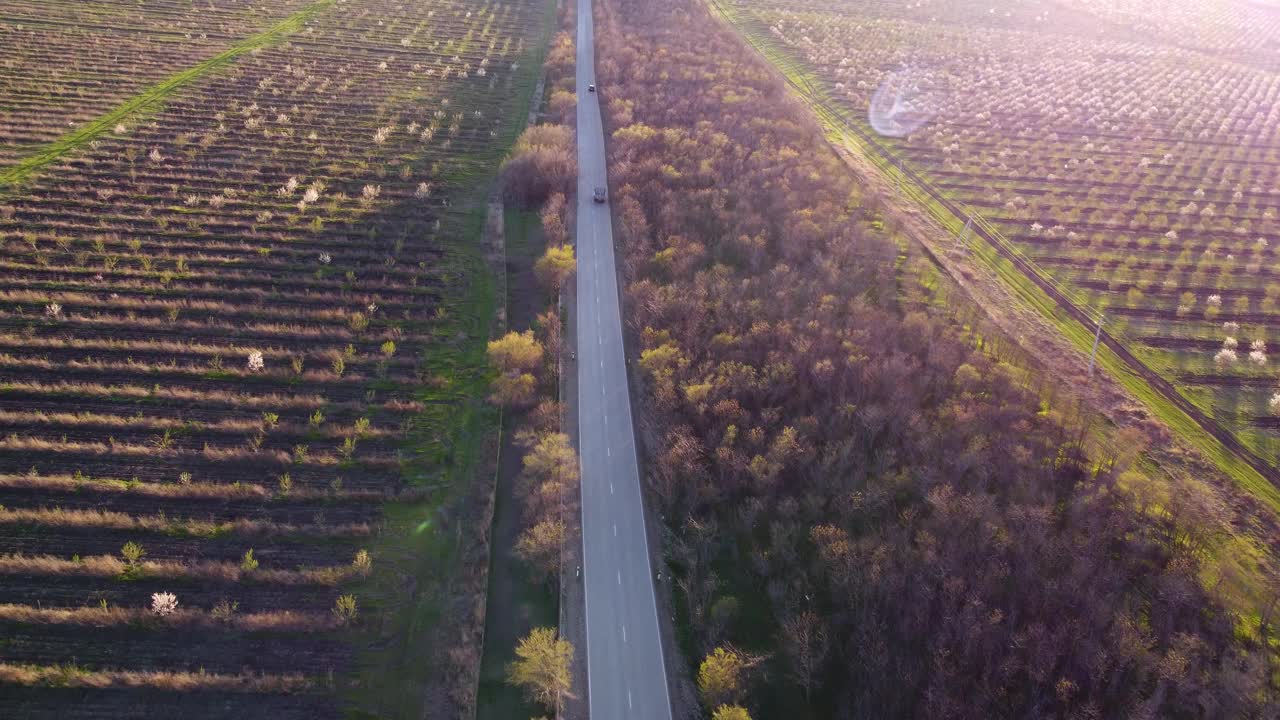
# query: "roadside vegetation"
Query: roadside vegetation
870,514
538,180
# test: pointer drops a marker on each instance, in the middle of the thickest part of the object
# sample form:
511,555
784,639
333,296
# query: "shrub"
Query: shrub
721,675
224,611
132,552
543,666
555,266
164,604
543,163
345,609
248,563
515,352
362,563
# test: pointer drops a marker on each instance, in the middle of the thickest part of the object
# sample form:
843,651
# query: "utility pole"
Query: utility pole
960,245
1097,336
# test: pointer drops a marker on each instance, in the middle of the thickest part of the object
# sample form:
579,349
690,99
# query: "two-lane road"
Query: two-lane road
626,675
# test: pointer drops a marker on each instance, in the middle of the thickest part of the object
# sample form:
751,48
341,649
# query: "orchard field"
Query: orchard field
1130,149
242,321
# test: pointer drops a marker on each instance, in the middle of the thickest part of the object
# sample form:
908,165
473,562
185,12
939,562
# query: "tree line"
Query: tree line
869,517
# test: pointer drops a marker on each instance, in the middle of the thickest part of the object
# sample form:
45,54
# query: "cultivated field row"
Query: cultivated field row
1139,170
228,332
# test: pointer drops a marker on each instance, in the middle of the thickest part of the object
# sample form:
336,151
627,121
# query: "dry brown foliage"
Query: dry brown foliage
278,620
67,676
213,571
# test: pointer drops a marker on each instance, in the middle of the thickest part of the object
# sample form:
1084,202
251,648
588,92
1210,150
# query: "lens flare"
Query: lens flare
902,104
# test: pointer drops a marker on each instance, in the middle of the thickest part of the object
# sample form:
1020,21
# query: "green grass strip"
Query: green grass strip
155,95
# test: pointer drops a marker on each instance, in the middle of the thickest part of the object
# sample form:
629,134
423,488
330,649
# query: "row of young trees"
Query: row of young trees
539,173
918,538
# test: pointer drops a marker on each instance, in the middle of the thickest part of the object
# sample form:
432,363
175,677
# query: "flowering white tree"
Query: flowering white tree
163,603
1258,352
256,362
53,309
1225,356
325,258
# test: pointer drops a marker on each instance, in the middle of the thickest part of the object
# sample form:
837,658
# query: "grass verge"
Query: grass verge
416,549
416,554
516,602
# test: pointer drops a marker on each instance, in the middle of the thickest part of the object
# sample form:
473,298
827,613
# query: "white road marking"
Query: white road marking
624,632
598,267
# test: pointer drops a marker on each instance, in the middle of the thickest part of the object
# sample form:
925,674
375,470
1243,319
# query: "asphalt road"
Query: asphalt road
626,675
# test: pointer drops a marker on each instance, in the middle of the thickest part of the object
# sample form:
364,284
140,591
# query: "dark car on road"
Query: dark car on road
600,195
